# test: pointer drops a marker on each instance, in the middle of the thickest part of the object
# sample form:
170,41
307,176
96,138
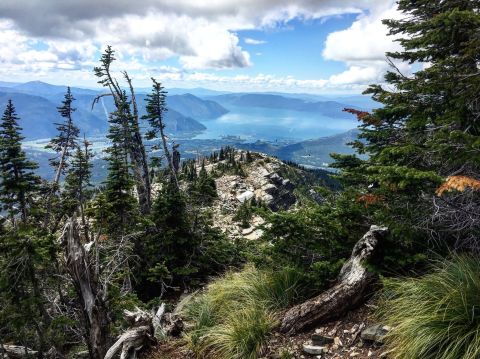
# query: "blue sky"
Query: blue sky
317,46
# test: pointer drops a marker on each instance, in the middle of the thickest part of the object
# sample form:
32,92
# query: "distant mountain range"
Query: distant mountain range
36,103
310,153
192,106
329,108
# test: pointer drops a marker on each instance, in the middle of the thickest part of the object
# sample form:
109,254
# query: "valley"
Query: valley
303,128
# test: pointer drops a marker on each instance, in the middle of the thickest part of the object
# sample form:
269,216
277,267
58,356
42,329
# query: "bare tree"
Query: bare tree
89,291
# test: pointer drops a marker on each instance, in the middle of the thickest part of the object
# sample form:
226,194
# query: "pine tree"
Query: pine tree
428,127
204,188
134,142
431,120
66,140
63,145
156,108
119,184
18,181
77,183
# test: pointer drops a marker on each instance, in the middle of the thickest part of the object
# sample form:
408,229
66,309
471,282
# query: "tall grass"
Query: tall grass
234,315
436,316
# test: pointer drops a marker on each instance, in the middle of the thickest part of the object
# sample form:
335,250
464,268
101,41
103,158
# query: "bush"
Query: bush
315,240
180,248
436,316
233,317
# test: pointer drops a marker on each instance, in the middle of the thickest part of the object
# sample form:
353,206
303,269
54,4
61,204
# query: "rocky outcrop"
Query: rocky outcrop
261,183
280,191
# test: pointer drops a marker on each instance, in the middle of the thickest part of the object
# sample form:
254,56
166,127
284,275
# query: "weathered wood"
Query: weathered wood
130,342
17,351
145,329
139,156
140,334
353,286
86,284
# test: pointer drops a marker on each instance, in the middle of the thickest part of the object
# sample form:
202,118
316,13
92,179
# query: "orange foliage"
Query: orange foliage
369,199
363,116
458,183
103,237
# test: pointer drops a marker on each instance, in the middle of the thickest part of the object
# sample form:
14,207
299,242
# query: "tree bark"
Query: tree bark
89,293
353,285
138,152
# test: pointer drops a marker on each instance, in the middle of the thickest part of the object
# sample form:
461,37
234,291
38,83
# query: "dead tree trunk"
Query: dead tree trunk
353,286
89,293
144,330
140,156
17,351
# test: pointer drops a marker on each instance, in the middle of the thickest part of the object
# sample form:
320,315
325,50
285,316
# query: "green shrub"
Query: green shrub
233,316
244,214
436,316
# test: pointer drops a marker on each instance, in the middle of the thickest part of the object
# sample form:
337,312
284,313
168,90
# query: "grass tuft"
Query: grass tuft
436,316
234,315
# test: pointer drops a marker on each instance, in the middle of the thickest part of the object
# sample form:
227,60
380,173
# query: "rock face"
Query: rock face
261,181
281,192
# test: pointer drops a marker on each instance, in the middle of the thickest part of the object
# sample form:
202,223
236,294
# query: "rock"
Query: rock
318,339
314,349
247,231
275,178
270,188
287,184
375,333
254,235
245,196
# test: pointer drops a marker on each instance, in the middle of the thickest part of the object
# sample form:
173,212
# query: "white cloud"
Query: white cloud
363,46
365,40
201,33
45,37
359,75
251,41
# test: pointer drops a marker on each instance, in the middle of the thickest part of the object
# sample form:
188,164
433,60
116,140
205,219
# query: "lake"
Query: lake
266,124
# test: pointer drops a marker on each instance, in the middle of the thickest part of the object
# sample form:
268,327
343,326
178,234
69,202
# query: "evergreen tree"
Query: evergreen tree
134,143
77,182
204,188
428,127
63,145
119,184
156,108
66,140
18,181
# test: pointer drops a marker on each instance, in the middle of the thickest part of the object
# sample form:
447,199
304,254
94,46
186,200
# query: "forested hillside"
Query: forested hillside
237,254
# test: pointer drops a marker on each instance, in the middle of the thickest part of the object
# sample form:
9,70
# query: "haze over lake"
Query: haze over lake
254,123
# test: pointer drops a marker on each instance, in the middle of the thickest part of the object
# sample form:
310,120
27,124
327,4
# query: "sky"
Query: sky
312,46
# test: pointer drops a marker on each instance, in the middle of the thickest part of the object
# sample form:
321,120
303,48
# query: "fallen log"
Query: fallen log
145,329
17,351
353,285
